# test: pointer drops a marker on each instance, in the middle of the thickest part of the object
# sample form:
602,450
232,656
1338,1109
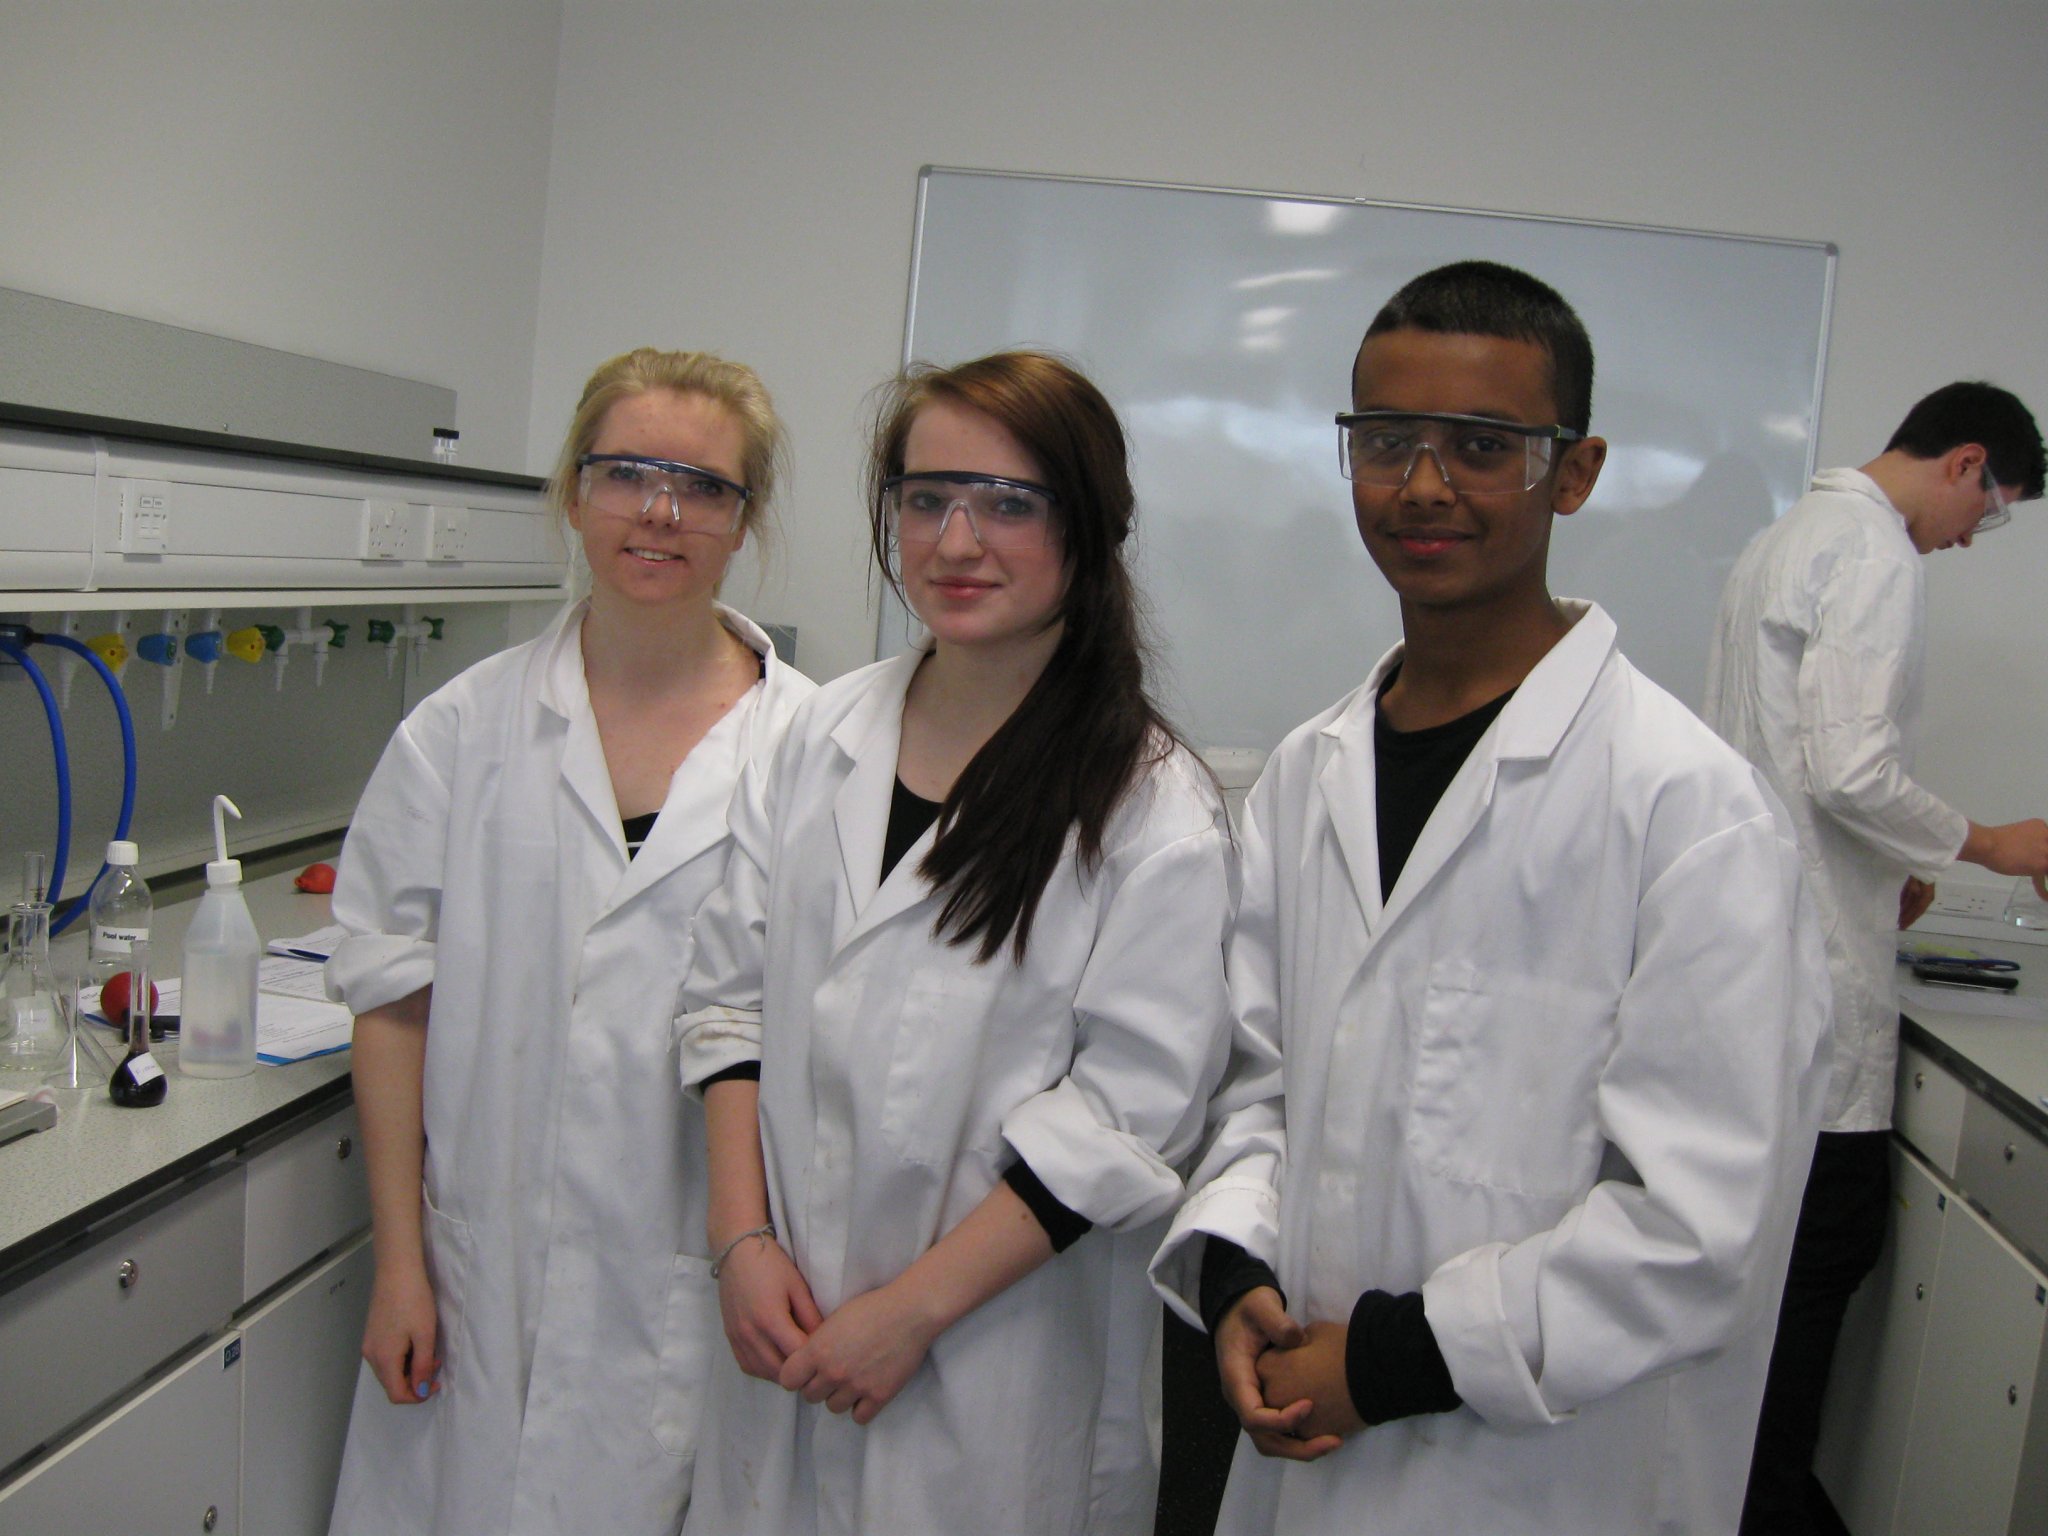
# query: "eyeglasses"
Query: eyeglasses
1001,514
1475,455
626,485
1997,510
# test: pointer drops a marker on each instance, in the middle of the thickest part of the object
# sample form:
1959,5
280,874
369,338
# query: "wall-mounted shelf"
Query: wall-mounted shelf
84,514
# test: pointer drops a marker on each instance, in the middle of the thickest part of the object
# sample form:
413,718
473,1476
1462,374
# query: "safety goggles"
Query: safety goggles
626,485
1001,514
1997,510
1475,455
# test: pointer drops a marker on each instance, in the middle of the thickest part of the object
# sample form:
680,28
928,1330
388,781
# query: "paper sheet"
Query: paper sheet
317,945
292,977
293,1028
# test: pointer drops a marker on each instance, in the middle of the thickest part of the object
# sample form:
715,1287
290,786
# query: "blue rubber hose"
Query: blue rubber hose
16,654
128,768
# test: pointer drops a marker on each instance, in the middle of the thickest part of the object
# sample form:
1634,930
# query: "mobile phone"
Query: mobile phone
1944,973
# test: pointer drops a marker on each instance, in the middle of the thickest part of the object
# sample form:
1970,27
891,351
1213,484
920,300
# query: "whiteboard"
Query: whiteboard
1222,325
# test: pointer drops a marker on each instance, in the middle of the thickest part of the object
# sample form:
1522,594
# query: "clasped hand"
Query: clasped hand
854,1361
1284,1381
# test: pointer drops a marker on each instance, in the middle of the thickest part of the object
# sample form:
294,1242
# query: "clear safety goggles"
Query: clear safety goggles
1997,510
1475,455
626,485
1001,514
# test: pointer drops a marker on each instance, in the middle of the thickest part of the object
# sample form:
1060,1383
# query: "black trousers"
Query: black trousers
1842,1222
1199,1438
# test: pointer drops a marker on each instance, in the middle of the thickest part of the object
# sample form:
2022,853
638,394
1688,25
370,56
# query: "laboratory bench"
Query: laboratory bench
182,1288
1937,1412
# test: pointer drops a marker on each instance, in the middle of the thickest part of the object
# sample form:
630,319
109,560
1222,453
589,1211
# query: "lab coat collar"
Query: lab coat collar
1529,727
868,737
693,815
1854,482
559,661
565,693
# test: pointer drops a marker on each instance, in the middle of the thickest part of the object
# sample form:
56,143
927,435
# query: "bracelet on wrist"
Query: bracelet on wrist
718,1264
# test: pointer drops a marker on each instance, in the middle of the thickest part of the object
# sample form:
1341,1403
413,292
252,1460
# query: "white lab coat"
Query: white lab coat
1814,676
1563,1083
898,1080
564,1182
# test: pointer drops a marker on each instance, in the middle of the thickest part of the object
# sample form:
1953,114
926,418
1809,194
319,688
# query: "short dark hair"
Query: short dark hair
1975,412
1485,298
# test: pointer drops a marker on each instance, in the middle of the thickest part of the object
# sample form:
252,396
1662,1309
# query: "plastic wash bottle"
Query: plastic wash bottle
222,949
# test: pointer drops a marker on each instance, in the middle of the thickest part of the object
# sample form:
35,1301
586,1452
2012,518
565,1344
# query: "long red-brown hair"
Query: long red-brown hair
1072,749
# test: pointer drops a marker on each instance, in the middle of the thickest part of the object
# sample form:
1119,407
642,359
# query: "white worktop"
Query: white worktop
2004,1058
99,1159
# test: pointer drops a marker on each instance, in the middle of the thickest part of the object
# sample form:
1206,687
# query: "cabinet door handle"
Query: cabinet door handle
211,1518
128,1274
1919,1079
1920,1291
343,1148
2011,1151
2012,1395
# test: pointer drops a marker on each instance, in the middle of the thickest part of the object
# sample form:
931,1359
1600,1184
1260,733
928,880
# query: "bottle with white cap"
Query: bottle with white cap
217,1004
121,911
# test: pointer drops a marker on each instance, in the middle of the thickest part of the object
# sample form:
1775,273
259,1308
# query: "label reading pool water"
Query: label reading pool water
117,941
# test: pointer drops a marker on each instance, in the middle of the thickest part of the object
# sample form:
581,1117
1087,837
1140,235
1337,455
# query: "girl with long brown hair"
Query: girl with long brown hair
957,1010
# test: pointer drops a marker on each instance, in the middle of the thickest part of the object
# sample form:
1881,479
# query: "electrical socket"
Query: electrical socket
448,533
145,517
385,526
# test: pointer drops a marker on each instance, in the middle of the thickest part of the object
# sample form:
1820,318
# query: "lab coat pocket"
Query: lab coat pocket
934,1061
448,1248
1505,1074
689,1327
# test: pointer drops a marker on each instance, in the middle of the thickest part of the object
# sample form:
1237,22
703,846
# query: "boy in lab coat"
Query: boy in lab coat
1814,676
1492,1222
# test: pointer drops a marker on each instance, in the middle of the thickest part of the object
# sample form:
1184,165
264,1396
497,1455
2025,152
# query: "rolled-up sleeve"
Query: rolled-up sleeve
1712,1096
388,893
1151,1034
718,1006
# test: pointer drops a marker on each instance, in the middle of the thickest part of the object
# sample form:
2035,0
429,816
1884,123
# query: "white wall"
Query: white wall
465,192
361,181
768,155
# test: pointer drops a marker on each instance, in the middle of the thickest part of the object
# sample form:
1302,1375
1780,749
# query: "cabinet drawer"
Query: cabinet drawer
2004,1168
167,1462
302,1354
84,1329
306,1194
1927,1108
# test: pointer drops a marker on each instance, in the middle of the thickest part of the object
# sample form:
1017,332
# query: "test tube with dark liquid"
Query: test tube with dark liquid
139,1081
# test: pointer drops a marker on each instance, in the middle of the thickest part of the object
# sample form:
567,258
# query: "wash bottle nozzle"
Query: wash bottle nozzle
223,870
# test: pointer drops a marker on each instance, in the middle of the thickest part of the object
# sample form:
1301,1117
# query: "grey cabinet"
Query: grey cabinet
193,1365
84,1328
300,1351
1877,1364
166,1461
1931,1426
